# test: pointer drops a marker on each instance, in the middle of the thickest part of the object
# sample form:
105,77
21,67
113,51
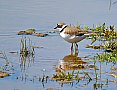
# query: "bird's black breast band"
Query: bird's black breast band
63,28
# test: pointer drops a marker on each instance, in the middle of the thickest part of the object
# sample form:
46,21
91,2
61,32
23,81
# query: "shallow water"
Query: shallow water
16,15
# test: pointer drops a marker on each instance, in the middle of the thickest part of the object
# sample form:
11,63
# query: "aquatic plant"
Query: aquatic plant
65,77
95,46
69,77
111,46
31,32
40,34
27,32
8,66
109,57
27,52
103,33
26,47
106,36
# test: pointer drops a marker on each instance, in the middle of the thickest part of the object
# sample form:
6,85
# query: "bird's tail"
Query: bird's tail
90,33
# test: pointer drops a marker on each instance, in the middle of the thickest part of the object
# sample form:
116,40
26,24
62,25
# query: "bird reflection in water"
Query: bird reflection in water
70,62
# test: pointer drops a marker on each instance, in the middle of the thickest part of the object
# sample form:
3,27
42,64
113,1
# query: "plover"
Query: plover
72,35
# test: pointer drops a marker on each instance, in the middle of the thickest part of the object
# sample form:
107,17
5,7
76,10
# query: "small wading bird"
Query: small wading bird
72,35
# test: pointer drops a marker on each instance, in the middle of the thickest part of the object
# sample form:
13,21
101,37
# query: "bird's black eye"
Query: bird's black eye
59,26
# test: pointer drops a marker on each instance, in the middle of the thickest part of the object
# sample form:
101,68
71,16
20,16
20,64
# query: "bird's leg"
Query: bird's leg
72,49
76,49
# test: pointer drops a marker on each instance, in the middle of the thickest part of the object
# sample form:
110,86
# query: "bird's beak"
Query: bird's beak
55,27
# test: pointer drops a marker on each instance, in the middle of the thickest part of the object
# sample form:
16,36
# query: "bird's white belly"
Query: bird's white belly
73,38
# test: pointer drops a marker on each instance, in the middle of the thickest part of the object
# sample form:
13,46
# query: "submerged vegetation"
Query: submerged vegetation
111,46
103,34
27,52
31,32
7,67
69,77
109,57
66,77
27,32
26,47
107,38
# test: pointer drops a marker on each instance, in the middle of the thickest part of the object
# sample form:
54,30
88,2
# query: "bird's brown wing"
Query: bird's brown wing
74,31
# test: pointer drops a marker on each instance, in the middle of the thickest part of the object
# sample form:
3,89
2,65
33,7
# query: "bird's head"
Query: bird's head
60,26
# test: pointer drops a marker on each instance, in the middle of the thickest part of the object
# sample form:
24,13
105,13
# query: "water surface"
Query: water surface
16,15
